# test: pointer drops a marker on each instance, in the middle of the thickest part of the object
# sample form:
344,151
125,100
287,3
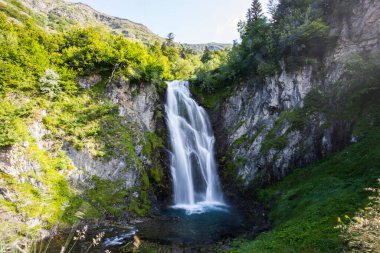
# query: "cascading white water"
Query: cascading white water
192,163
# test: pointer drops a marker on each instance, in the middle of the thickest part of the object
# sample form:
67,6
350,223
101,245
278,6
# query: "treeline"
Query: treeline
297,31
28,51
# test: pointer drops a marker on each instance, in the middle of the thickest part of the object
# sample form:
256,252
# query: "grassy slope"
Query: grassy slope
307,204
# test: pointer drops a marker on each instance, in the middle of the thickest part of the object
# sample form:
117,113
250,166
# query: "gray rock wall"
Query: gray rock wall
136,104
255,110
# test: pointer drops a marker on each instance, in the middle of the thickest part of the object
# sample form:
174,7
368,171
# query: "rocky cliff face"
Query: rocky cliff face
35,163
137,105
258,140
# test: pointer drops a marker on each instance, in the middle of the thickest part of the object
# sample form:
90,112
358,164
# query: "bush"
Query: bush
50,84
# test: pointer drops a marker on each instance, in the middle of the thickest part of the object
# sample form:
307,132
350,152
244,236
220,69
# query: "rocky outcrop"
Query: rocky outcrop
88,166
89,81
15,162
137,102
252,126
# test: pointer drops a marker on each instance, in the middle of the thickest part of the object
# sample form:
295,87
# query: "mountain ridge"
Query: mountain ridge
85,15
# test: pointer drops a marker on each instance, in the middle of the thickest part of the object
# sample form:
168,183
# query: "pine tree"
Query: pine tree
170,39
272,7
207,55
255,12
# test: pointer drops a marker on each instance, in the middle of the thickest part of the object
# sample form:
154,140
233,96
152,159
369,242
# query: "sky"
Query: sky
191,21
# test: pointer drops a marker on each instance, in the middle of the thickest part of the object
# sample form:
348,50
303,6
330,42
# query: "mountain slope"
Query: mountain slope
84,15
211,46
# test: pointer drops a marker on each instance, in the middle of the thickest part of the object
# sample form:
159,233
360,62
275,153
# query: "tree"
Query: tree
242,27
272,7
170,39
254,12
207,55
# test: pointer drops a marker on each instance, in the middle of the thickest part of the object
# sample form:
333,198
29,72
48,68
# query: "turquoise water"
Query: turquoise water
176,226
173,227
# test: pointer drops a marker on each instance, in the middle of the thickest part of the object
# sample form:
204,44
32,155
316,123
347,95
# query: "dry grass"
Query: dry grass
362,232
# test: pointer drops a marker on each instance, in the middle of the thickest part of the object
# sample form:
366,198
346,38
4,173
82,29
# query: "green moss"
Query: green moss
212,99
86,123
242,139
141,205
152,144
237,126
105,197
231,167
277,143
254,137
273,139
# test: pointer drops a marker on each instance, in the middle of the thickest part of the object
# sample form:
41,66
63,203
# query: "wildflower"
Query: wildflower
81,234
97,239
339,220
346,216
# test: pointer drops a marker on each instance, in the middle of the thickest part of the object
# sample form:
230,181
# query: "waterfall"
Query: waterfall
192,162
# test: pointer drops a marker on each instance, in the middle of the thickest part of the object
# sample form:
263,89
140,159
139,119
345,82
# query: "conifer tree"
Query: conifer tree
272,7
255,12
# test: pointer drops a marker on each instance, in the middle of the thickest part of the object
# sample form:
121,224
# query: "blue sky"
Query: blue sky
191,21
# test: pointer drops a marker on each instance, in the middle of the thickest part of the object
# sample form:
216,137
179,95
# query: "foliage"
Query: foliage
10,116
298,32
23,58
50,84
80,120
361,83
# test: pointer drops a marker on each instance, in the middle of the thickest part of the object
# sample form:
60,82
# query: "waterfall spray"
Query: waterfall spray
192,163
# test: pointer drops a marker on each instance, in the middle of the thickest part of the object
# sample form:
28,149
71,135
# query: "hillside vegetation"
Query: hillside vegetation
38,85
